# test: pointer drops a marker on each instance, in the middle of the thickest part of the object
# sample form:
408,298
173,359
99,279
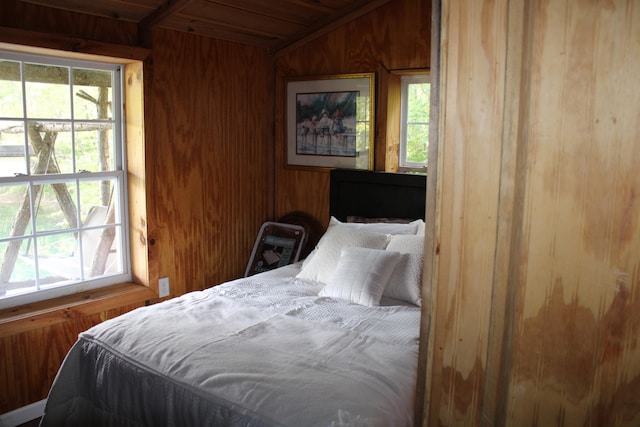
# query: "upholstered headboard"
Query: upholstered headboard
377,194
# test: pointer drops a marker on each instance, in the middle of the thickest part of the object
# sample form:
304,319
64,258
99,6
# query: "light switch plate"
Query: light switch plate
163,287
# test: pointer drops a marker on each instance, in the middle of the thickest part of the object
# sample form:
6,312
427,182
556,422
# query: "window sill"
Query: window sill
41,314
404,169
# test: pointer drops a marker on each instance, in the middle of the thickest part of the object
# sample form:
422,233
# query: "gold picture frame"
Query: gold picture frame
330,121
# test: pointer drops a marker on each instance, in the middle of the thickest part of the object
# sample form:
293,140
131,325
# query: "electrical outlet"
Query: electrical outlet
163,287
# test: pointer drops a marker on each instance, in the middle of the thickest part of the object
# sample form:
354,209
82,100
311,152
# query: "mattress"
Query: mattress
265,350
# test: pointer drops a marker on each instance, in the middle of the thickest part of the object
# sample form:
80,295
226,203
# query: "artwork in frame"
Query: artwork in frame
330,121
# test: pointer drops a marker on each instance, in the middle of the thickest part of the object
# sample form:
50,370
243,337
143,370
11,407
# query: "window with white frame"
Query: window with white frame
414,121
63,222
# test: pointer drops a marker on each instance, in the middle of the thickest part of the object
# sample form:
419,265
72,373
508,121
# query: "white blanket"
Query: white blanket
265,350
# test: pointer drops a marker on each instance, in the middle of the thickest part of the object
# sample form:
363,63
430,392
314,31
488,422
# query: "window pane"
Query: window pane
15,210
94,145
10,90
101,252
61,245
58,257
362,126
418,108
414,131
55,206
100,246
17,269
94,193
51,147
47,91
57,117
92,94
16,256
12,155
417,143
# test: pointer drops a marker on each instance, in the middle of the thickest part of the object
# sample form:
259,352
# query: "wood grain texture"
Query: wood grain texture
210,158
202,178
31,350
388,136
538,103
136,172
468,180
429,292
400,41
274,24
56,23
576,356
17,320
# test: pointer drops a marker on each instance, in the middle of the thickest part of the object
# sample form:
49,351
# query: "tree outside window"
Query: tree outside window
62,189
414,130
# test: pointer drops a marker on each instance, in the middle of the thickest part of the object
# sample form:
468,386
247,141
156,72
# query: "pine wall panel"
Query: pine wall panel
395,36
206,175
577,324
537,277
209,164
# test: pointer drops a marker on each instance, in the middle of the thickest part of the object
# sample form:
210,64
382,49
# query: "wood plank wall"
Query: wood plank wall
209,157
537,314
208,174
393,37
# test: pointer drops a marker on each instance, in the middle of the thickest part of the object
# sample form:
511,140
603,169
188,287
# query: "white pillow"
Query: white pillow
406,280
382,227
320,264
361,275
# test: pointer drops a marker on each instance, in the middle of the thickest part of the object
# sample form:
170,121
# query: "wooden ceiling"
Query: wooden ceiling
274,24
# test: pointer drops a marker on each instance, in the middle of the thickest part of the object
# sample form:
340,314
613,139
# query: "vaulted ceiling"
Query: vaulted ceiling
274,24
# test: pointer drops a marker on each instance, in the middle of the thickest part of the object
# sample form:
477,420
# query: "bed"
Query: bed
329,341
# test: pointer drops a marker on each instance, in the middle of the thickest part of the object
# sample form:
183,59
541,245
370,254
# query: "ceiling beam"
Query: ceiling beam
328,24
155,18
42,42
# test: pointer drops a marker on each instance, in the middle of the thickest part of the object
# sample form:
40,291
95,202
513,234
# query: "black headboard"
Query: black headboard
377,194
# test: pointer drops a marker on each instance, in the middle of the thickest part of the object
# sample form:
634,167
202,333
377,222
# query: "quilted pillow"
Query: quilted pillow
361,275
320,265
406,280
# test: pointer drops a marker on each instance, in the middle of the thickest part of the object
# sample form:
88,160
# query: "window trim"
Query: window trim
119,173
405,81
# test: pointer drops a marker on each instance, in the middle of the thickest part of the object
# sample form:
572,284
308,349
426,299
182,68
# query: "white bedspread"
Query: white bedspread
265,350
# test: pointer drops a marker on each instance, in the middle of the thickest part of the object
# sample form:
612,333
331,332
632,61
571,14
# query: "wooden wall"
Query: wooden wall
207,182
393,37
536,311
210,170
536,249
209,137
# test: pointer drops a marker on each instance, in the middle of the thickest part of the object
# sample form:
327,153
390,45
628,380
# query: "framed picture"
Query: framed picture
277,245
330,121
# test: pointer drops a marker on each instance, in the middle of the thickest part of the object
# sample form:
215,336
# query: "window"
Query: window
414,122
63,222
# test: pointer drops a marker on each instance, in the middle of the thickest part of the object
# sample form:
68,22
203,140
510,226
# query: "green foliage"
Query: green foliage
48,101
418,122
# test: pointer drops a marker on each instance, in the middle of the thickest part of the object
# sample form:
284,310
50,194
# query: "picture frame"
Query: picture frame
277,245
330,121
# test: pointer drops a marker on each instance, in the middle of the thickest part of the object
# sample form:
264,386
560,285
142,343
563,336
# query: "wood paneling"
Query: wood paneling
468,180
209,149
136,171
32,348
46,313
202,177
207,165
576,328
272,24
15,14
392,37
538,270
